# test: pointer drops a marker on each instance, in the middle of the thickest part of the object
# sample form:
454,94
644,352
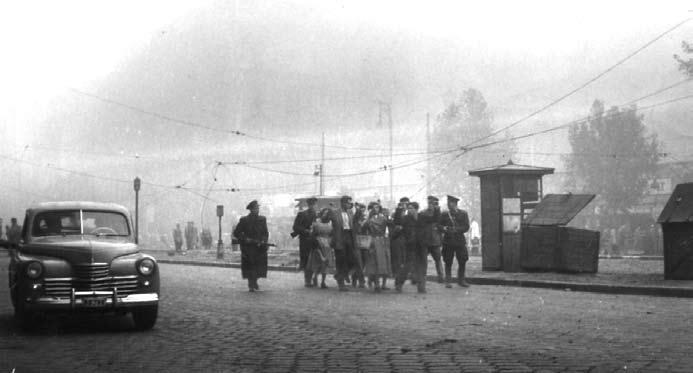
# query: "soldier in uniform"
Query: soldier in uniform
432,237
251,232
455,223
302,224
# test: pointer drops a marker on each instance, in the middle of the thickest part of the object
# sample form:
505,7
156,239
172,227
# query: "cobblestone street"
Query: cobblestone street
209,322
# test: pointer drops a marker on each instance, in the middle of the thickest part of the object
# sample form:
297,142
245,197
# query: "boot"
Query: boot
306,279
461,276
439,271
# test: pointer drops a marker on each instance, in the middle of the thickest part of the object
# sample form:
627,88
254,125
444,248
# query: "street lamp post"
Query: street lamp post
220,244
137,184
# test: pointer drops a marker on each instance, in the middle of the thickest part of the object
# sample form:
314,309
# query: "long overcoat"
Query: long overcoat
251,232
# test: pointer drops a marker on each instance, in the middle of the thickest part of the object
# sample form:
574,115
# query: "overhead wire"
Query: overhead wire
582,86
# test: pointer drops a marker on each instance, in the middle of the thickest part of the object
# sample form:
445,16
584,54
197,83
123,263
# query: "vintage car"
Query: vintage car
81,257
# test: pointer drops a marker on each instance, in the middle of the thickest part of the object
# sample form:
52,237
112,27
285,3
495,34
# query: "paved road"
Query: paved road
209,322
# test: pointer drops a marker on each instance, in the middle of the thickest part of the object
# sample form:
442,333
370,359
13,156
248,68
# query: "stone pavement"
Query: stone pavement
623,275
208,321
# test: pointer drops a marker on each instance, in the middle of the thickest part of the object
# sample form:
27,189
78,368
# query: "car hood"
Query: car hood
81,249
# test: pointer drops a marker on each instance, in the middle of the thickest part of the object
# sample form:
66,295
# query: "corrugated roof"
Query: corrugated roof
679,207
558,209
512,168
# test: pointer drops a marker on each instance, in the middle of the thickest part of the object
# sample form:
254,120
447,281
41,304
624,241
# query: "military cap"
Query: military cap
345,198
433,198
359,205
404,200
252,205
311,200
413,204
452,199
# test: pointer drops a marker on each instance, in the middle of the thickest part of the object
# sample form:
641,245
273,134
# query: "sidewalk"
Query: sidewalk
625,275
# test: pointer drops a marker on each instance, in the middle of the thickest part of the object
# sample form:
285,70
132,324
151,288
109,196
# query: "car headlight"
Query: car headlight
146,266
34,270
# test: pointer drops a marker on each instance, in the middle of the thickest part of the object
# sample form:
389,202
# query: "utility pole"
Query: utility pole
428,154
322,167
388,105
136,185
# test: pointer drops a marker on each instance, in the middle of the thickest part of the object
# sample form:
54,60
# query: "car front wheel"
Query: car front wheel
145,317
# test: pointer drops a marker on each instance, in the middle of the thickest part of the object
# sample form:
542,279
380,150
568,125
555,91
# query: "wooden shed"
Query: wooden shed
677,230
509,192
548,245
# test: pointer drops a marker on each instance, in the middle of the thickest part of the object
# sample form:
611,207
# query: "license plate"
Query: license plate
94,302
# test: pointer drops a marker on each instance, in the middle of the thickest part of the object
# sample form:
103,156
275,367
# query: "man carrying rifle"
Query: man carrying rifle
252,235
302,226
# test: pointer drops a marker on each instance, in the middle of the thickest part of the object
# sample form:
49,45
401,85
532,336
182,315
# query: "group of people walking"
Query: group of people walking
364,243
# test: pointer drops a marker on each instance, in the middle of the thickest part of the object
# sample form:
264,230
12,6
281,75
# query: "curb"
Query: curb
659,291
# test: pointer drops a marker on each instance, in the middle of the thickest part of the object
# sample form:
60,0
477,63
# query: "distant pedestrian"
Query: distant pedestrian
322,259
178,239
206,239
416,252
252,234
14,232
343,223
361,245
432,237
306,242
455,222
475,237
191,236
378,262
397,238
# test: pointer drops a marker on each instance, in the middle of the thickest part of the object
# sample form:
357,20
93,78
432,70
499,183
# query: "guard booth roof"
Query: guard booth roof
679,207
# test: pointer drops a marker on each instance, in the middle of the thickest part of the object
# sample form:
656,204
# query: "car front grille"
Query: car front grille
87,271
90,277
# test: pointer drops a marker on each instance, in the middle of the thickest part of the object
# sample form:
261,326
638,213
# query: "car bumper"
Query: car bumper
93,300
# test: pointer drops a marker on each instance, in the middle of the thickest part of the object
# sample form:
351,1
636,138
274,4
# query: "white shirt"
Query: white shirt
345,220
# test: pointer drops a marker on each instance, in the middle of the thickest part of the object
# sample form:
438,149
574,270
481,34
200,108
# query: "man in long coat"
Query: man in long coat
432,237
343,233
397,238
302,225
455,224
251,232
416,251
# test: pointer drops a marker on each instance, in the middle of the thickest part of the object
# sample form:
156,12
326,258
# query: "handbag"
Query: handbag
363,241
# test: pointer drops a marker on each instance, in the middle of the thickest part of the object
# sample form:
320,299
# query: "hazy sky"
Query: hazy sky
521,55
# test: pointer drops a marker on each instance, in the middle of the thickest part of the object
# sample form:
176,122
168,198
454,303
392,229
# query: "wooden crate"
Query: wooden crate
578,250
539,245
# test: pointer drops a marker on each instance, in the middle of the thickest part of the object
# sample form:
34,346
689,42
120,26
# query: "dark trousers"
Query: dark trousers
415,262
397,254
345,258
179,246
450,252
305,246
435,254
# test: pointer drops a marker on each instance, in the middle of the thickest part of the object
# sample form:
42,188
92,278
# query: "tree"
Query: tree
612,156
463,121
685,65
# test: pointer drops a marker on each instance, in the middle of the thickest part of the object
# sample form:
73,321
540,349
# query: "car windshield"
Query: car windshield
68,222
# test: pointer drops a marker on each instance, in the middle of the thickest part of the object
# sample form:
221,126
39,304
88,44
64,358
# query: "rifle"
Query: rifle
257,242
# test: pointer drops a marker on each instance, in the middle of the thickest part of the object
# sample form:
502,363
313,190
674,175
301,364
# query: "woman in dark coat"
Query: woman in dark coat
252,235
